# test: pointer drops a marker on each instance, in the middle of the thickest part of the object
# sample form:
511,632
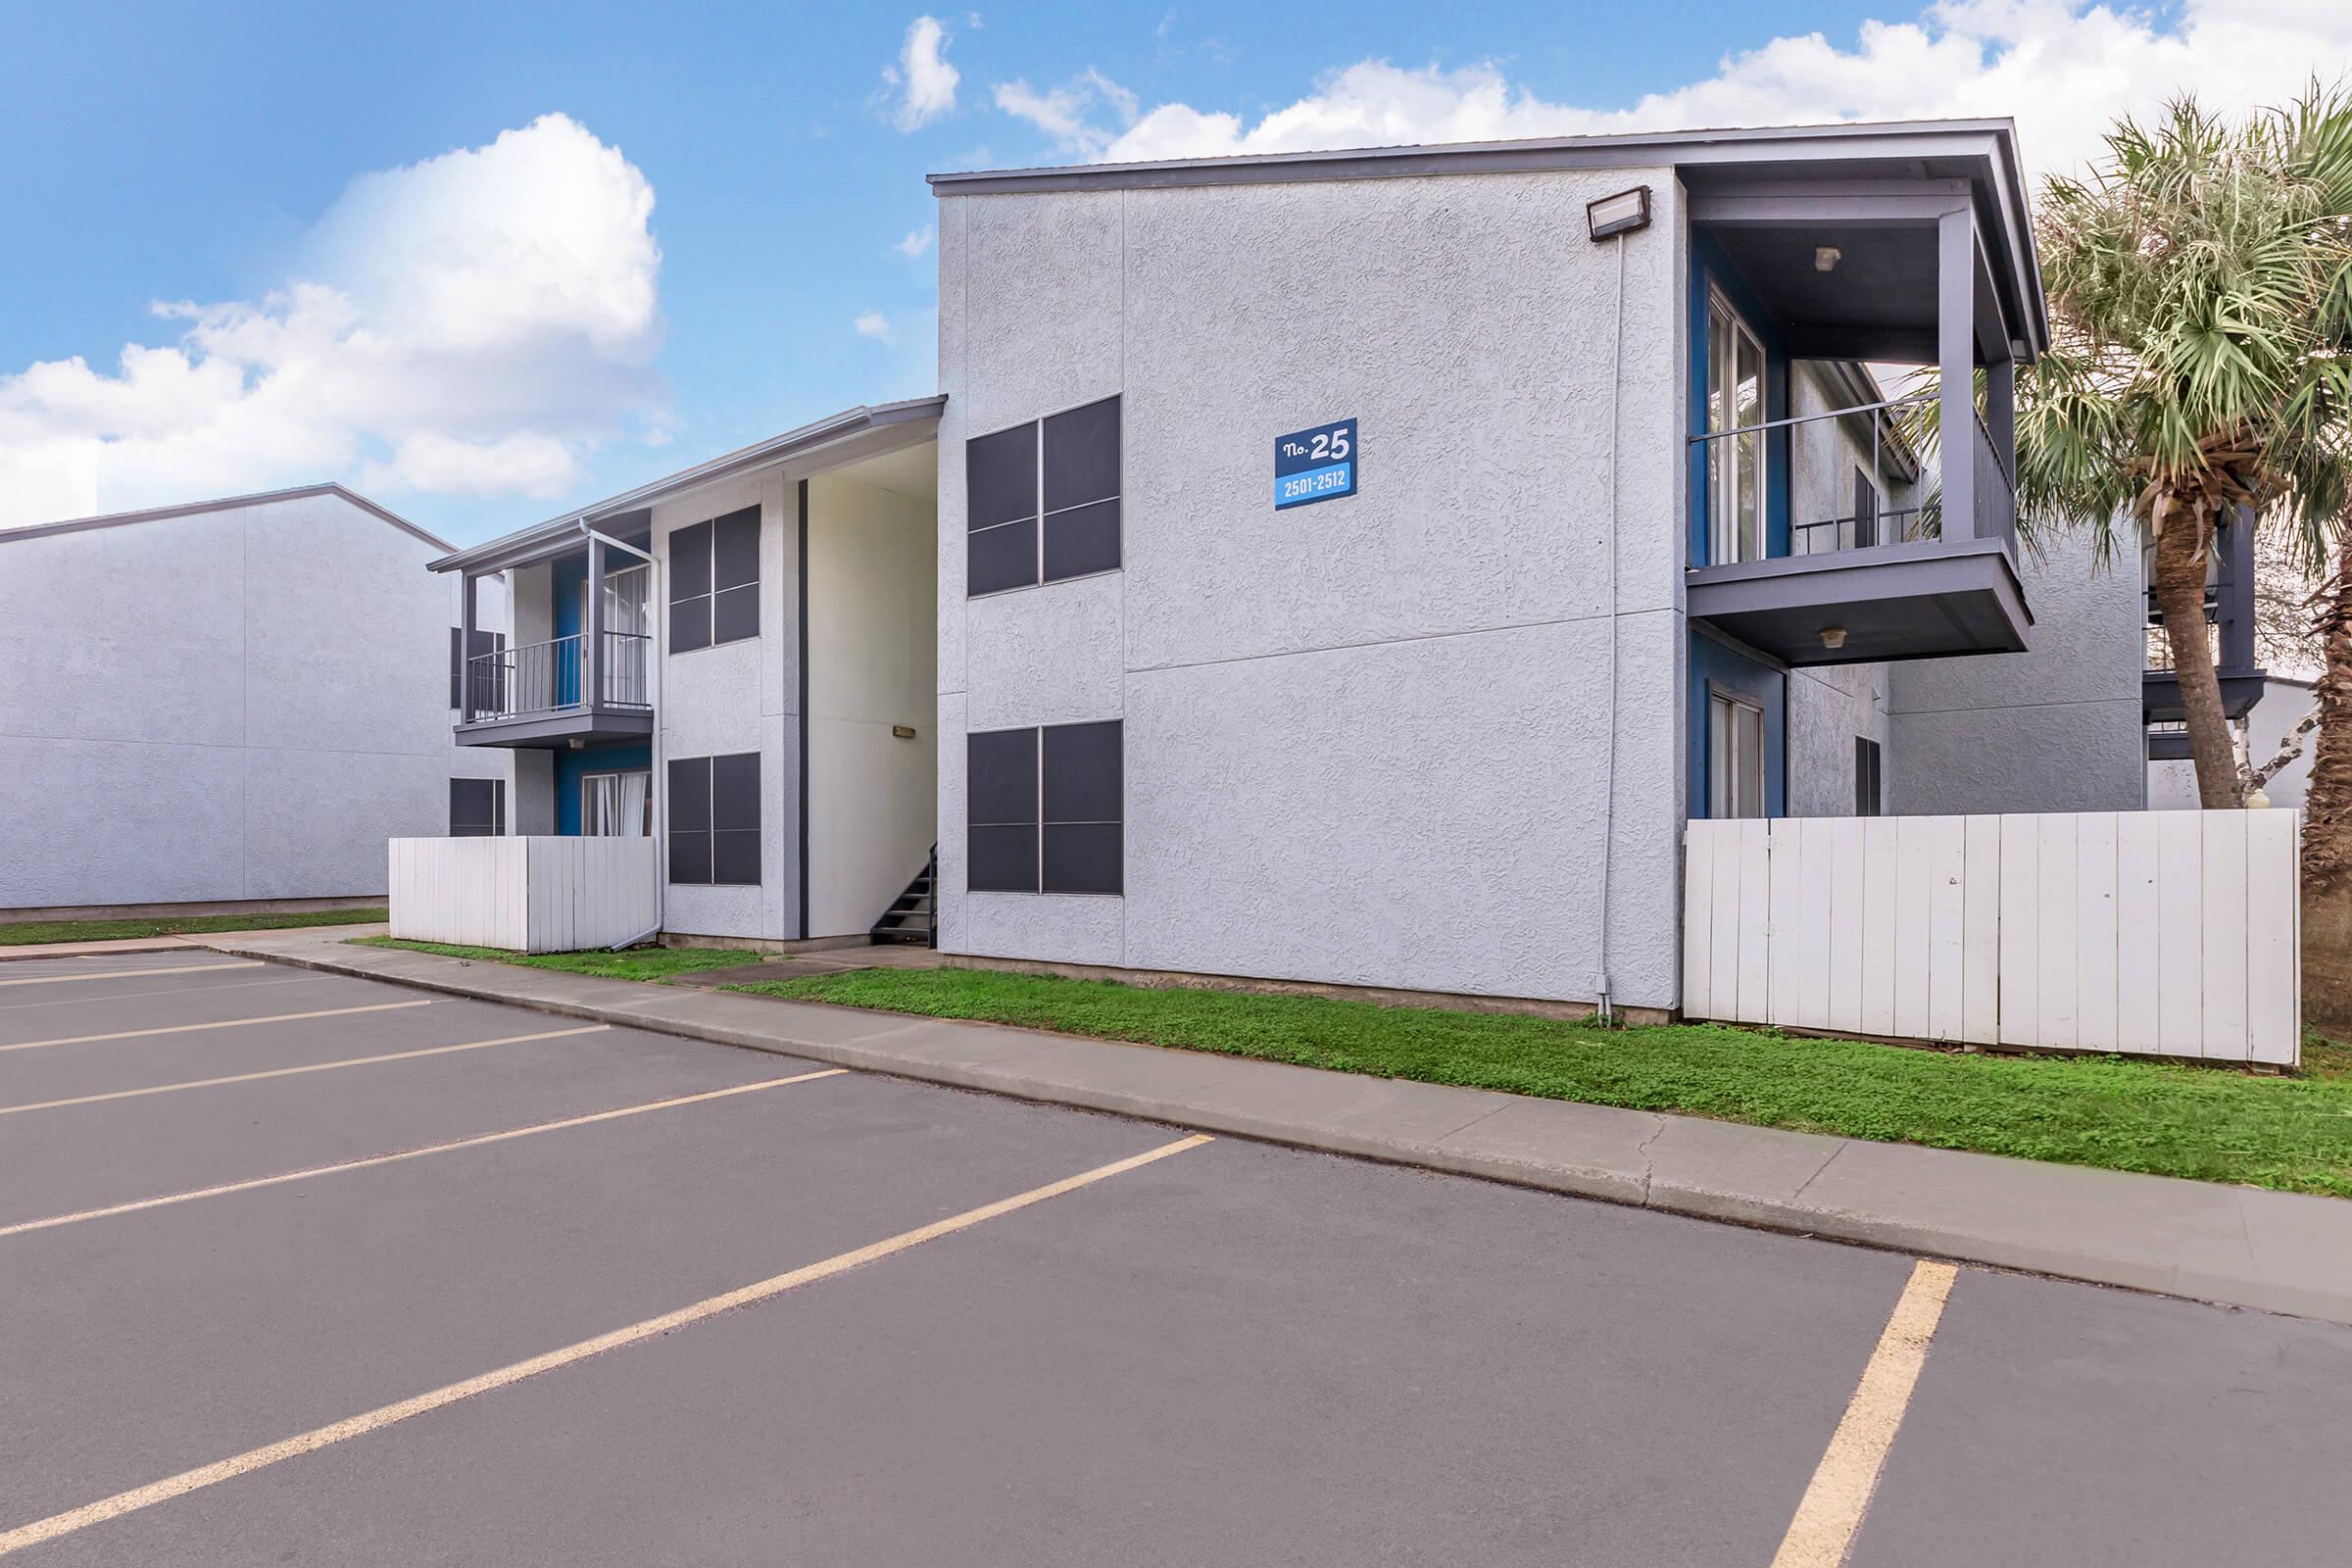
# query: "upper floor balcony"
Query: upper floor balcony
592,682
2229,638
1823,530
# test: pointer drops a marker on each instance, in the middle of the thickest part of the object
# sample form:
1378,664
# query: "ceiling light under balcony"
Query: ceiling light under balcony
1833,637
1825,258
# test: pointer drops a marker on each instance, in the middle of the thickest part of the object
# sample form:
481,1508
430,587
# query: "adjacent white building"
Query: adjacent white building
226,703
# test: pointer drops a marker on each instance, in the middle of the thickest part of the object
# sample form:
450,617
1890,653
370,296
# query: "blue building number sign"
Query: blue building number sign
1317,465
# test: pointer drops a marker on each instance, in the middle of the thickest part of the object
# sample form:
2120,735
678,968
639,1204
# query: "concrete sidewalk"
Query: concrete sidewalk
171,941
2242,1246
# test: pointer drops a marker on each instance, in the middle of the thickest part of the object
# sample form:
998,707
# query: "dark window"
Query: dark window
487,678
1866,510
1868,799
715,581
1000,810
1046,809
1042,500
477,808
714,819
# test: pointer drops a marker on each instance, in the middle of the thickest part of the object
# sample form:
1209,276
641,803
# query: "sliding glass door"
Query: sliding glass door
1735,462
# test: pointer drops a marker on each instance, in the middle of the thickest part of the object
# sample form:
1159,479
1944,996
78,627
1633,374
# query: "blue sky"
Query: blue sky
208,154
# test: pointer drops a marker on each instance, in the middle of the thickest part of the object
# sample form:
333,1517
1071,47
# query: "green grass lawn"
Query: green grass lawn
32,931
634,963
2211,1124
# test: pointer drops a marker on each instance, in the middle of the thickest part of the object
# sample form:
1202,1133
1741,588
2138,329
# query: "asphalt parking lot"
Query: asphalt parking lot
303,1268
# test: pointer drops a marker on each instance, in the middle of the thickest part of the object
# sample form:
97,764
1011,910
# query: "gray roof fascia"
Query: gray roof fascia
191,509
1990,144
557,534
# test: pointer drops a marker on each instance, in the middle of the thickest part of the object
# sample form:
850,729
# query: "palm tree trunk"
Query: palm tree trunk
2181,596
2327,819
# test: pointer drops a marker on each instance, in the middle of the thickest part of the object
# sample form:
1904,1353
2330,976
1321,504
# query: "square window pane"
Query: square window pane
997,558
1001,860
734,615
1084,780
735,791
689,624
1000,477
735,549
1001,776
1082,541
1082,455
735,857
690,795
1083,857
690,858
688,562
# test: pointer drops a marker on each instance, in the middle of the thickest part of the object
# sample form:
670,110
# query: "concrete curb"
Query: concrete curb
2239,1247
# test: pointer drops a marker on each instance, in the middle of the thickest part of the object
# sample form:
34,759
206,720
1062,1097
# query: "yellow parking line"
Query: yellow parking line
1831,1511
288,1072
310,1442
125,974
225,1023
476,1142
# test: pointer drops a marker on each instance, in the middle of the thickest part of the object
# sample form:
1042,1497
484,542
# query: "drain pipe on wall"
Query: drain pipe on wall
1612,219
655,775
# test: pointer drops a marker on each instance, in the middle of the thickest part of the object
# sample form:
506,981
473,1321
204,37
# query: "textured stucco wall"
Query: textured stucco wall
2056,728
741,696
231,704
1366,741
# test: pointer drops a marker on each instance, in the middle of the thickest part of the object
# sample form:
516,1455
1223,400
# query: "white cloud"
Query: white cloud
470,324
1069,112
926,82
2064,70
876,326
917,241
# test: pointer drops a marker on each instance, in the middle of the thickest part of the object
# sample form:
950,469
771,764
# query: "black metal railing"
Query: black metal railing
554,677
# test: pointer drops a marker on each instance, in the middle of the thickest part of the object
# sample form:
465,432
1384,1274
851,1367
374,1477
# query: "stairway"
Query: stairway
913,916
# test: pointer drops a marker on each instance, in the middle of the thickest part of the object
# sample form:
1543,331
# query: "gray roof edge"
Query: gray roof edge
1533,152
191,509
758,454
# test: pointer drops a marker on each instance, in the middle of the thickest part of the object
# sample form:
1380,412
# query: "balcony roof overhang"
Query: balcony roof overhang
1924,599
860,432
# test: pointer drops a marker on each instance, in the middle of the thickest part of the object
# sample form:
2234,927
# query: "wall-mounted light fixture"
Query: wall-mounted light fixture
1825,258
1833,637
1620,214
905,732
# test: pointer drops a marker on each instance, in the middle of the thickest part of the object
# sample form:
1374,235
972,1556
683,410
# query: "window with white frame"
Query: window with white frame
616,804
1735,462
1734,755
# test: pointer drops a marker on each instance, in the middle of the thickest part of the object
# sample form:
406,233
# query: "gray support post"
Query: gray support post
1955,359
466,617
591,662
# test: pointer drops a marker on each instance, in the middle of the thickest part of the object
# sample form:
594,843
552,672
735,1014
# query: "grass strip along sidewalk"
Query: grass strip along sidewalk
29,932
2208,1124
633,963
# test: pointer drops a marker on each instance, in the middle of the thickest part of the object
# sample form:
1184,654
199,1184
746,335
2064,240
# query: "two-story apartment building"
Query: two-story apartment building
1350,568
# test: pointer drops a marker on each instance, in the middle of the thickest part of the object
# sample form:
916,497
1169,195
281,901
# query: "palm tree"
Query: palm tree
2200,291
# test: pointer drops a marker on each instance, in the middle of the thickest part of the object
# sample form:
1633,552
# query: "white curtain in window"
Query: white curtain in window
635,801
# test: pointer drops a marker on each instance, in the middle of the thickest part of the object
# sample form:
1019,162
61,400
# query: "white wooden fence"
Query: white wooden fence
2156,933
530,895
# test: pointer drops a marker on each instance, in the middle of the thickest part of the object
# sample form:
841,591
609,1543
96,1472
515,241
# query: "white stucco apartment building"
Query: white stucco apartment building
223,704
1350,568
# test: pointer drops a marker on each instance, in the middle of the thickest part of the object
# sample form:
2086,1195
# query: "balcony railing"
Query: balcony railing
553,677
1862,526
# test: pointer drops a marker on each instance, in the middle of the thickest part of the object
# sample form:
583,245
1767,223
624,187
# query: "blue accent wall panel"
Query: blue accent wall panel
572,766
1713,664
